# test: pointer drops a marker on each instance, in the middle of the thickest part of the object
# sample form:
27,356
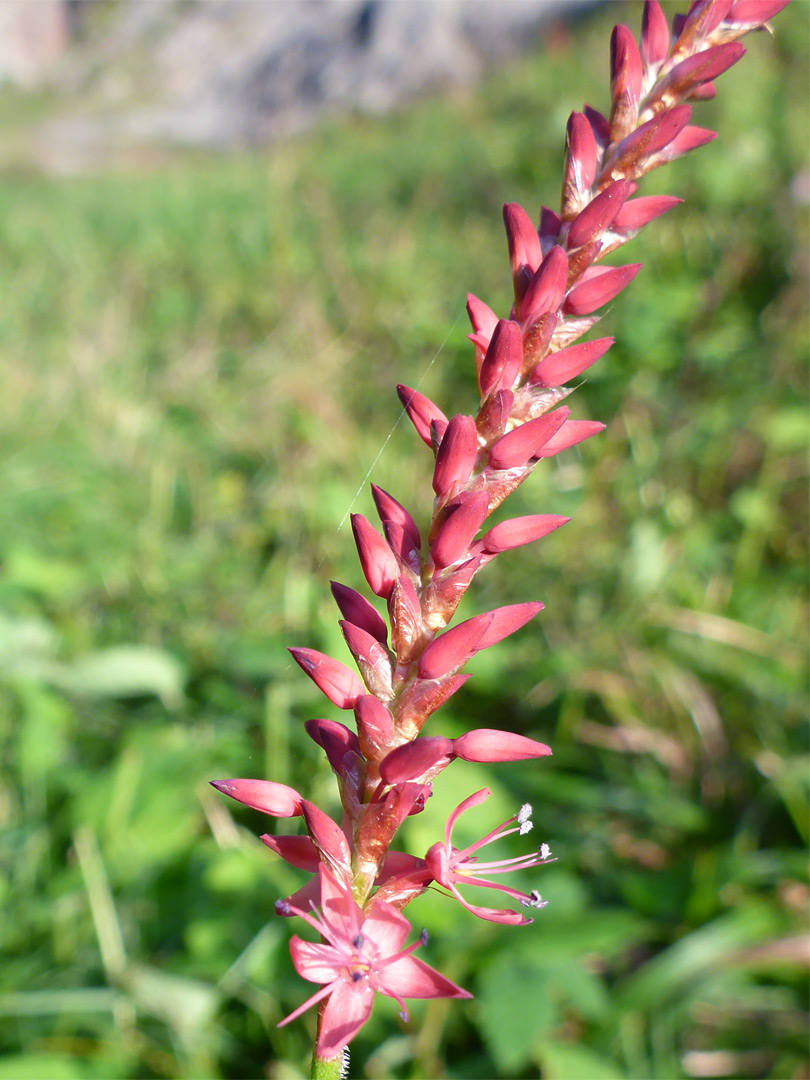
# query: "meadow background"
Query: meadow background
198,361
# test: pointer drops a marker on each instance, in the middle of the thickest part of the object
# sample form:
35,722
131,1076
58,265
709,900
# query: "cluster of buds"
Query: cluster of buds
410,664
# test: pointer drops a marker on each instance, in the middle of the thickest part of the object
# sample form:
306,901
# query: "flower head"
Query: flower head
451,867
361,954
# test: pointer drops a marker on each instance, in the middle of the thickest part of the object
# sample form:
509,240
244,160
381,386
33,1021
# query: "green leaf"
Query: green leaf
564,1061
515,1009
125,671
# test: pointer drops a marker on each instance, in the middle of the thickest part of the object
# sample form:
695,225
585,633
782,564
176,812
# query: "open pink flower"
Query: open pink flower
360,955
451,867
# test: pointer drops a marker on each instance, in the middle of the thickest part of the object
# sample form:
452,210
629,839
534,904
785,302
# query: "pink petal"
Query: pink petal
690,138
489,744
421,411
472,800
651,137
599,286
571,433
318,996
558,368
354,607
504,916
521,530
409,977
316,962
278,800
386,927
348,1008
335,680
458,530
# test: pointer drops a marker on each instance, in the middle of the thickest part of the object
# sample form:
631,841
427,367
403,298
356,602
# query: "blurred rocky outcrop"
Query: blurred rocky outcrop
230,73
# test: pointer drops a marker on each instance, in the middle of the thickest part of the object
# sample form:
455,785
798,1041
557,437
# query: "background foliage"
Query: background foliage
197,370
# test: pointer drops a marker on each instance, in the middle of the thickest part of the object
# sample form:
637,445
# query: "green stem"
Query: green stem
326,1068
331,1068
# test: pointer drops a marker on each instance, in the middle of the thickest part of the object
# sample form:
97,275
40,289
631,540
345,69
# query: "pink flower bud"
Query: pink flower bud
701,67
376,558
359,611
690,138
335,680
520,530
547,287
580,153
705,92
504,358
424,696
451,649
298,851
374,721
494,414
654,35
571,433
626,72
652,137
484,320
364,648
406,618
413,759
403,547
489,745
704,16
390,510
525,254
599,126
456,456
598,286
754,12
421,412
558,368
335,739
521,444
327,836
458,530
550,225
372,659
598,214
636,213
278,800
507,620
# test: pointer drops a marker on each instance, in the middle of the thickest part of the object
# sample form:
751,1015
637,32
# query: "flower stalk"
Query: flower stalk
411,663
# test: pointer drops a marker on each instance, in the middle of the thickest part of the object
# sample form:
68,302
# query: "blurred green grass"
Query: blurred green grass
198,364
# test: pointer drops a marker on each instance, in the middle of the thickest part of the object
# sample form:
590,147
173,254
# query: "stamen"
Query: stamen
282,907
524,813
358,976
537,900
545,851
423,937
525,827
358,941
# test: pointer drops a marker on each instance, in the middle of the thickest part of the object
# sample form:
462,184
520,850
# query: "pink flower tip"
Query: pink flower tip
277,800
